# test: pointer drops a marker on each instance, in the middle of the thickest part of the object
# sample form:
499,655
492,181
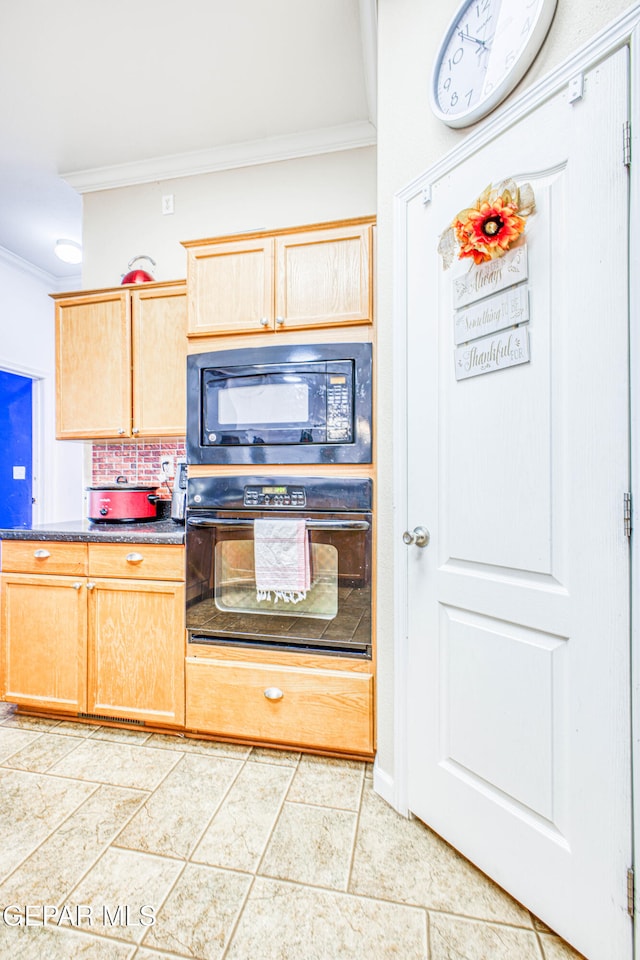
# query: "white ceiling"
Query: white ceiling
98,94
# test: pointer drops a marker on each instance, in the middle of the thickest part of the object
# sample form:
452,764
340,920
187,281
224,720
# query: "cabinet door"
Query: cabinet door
93,366
159,319
44,636
324,278
231,287
136,650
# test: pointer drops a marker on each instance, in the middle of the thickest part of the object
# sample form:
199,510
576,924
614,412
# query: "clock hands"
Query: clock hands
467,36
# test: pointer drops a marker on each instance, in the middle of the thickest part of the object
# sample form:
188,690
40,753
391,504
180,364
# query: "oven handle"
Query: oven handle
311,524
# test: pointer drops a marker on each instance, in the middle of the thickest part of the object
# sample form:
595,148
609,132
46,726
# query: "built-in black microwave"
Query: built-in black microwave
302,403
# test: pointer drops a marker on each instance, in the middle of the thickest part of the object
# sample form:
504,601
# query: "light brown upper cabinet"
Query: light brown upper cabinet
311,276
121,362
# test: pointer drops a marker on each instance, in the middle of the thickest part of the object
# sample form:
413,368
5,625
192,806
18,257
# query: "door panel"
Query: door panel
518,692
16,478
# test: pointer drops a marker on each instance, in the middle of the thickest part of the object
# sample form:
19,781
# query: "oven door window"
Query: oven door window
235,584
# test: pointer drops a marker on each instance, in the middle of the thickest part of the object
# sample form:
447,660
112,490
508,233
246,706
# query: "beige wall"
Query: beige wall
122,223
410,140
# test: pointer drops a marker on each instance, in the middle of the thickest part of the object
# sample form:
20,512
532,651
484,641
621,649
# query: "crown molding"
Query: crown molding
24,266
349,136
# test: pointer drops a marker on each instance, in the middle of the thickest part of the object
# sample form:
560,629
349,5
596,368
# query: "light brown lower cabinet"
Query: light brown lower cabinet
94,645
308,707
44,642
97,629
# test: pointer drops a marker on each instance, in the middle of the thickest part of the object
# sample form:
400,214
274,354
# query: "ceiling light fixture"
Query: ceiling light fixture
68,251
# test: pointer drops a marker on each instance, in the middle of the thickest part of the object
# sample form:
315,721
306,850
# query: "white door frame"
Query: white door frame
624,31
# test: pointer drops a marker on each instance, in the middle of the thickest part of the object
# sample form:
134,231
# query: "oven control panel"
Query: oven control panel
281,496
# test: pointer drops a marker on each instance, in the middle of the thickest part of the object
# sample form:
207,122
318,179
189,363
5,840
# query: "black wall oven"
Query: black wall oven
296,403
224,602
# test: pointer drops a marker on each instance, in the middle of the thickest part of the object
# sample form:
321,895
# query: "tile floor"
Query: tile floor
234,854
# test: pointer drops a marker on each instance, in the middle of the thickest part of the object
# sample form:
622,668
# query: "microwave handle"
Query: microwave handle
311,524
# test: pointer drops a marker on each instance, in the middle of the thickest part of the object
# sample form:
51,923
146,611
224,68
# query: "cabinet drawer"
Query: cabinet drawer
144,561
44,556
325,709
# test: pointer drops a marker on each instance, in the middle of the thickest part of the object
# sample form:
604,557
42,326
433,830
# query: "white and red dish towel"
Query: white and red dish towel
281,554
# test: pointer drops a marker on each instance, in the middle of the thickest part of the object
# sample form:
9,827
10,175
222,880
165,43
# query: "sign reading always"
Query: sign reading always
485,279
506,349
495,313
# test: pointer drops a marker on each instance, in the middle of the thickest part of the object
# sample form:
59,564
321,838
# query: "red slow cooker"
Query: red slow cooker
121,502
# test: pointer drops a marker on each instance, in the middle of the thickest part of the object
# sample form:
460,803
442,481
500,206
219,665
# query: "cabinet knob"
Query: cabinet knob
280,321
76,586
121,432
273,693
135,430
41,554
91,586
134,558
264,321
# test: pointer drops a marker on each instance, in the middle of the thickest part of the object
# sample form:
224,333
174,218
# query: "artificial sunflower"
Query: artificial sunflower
486,230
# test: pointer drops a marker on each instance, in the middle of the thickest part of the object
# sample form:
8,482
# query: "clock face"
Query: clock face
487,49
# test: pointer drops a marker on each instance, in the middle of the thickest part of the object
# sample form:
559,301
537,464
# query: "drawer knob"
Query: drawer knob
41,554
134,558
273,693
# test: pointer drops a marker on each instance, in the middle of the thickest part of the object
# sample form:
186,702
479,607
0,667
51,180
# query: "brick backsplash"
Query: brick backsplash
138,461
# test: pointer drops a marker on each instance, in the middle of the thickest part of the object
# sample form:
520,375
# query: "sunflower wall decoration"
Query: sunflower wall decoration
486,230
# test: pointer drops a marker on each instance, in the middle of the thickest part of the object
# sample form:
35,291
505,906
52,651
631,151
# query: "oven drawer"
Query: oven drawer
44,556
142,561
322,709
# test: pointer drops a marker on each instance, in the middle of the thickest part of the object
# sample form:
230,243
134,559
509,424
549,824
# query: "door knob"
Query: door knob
419,536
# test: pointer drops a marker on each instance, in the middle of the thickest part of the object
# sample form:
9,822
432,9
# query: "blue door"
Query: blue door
16,415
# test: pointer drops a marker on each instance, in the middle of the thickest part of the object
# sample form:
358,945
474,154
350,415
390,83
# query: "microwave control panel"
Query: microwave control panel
280,496
339,409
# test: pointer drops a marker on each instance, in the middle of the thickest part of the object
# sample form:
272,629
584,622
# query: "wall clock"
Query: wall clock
487,49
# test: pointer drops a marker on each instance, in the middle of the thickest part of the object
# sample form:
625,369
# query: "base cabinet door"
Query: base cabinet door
136,650
44,642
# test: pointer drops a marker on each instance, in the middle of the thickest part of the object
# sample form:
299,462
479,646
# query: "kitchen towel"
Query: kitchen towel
281,555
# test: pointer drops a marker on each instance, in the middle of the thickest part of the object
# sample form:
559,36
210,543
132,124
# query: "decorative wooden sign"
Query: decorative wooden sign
495,313
485,279
506,349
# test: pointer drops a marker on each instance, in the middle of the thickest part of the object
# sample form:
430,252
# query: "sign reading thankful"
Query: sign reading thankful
506,349
485,279
495,313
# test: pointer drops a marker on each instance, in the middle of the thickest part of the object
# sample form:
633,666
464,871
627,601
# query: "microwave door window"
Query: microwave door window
264,403
269,409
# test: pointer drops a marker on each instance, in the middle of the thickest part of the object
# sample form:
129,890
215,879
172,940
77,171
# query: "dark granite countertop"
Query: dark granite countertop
156,531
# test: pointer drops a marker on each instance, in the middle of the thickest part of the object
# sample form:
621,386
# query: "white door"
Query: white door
518,651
